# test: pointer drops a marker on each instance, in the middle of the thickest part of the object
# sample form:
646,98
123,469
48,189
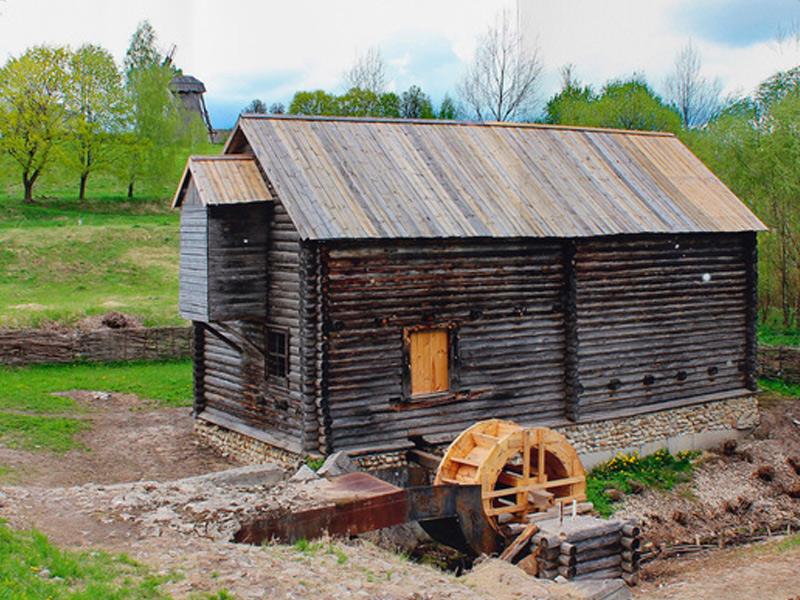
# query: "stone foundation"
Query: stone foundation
243,447
695,427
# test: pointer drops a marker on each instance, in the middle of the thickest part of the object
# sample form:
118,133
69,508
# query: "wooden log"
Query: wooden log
630,543
566,560
519,543
630,530
610,573
630,578
599,564
597,542
547,563
568,549
601,552
548,573
550,541
568,572
599,530
629,567
631,555
549,553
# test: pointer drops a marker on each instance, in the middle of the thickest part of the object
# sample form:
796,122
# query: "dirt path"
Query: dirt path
768,571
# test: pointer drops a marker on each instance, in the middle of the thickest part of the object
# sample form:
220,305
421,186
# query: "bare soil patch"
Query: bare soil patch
129,440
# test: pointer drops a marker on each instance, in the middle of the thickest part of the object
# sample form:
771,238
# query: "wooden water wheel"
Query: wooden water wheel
519,470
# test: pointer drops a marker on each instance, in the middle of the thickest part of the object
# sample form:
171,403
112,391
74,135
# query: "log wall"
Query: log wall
660,319
545,330
505,300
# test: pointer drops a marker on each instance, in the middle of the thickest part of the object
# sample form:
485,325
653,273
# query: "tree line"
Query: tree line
80,109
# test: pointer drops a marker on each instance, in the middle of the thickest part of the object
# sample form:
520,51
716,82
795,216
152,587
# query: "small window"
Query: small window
429,361
277,352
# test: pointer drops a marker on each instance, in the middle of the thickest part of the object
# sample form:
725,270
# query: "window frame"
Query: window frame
452,363
282,380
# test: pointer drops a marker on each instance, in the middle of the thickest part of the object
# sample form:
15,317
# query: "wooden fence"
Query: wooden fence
37,346
779,362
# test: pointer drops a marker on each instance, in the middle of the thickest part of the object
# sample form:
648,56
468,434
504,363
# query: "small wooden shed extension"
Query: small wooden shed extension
367,282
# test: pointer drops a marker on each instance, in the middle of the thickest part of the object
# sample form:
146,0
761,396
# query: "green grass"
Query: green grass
782,388
32,418
62,259
31,568
30,388
660,470
35,432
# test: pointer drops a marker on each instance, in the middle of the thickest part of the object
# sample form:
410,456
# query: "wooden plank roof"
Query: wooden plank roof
362,178
226,179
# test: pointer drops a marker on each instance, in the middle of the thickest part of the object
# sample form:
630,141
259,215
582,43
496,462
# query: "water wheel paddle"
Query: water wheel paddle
516,468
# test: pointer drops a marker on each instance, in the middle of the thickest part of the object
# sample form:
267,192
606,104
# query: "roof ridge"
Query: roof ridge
445,122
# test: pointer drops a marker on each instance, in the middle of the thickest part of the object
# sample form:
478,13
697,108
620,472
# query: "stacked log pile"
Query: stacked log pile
585,547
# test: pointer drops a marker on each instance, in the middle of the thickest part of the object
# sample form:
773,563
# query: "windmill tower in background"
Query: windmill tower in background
190,91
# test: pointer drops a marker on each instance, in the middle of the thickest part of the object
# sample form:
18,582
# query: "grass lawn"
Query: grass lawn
62,259
31,417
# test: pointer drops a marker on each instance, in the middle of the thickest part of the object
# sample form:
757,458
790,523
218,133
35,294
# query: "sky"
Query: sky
267,49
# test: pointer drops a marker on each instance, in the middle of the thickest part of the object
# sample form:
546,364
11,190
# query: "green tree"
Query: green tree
97,105
415,104
570,105
365,103
256,107
155,121
317,102
32,113
621,104
631,104
447,109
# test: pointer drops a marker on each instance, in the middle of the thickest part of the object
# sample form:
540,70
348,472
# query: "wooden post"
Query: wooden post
199,367
572,386
751,311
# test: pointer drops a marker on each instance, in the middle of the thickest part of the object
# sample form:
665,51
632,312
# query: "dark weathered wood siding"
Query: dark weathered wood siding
505,298
237,260
660,319
547,331
234,376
